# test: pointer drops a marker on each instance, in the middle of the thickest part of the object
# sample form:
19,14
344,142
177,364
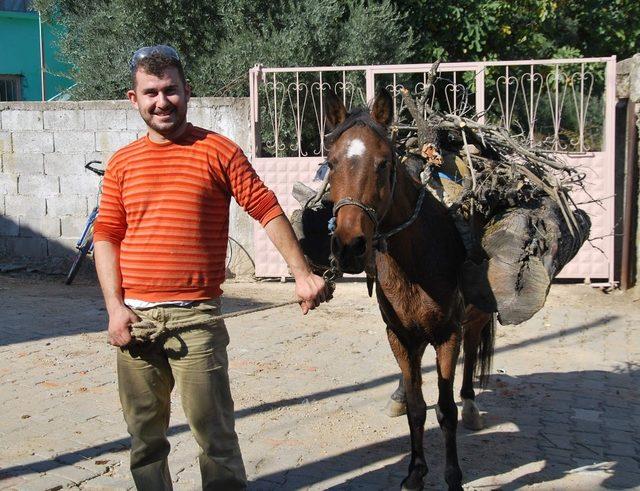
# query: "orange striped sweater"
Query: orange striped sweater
167,205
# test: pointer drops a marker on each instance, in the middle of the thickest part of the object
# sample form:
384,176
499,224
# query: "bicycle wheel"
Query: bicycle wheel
77,262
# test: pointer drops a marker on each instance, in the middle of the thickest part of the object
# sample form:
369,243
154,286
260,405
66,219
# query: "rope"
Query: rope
150,331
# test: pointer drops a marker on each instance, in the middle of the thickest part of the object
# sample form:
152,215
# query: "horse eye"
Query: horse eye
382,165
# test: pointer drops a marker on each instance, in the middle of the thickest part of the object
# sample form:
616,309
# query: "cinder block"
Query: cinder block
66,205
35,247
72,227
135,121
17,120
42,186
23,163
64,119
64,164
8,183
24,206
32,142
61,247
5,142
8,227
113,140
82,184
105,119
200,116
39,227
74,141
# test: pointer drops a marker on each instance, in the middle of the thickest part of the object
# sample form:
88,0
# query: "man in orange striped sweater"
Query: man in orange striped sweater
160,246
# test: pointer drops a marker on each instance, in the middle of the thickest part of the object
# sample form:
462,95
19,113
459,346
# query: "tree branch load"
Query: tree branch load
511,204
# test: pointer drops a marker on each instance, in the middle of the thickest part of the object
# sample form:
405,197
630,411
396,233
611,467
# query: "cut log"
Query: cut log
526,249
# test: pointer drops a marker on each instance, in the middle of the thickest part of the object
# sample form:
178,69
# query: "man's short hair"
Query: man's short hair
157,64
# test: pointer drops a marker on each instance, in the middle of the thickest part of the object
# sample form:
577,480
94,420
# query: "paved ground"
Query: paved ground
562,404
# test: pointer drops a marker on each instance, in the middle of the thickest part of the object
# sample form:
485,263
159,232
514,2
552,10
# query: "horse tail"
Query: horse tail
485,351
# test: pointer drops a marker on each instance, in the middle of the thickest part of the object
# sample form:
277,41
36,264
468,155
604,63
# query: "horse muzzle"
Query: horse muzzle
351,255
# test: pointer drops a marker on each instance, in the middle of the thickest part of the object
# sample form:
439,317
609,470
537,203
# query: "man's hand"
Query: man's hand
312,290
120,320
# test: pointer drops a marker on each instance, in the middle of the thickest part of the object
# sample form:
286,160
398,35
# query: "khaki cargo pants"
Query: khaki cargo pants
195,358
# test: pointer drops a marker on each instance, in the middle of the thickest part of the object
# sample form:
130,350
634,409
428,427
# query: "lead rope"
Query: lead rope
150,331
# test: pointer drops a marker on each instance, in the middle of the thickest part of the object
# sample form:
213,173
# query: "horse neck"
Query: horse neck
403,201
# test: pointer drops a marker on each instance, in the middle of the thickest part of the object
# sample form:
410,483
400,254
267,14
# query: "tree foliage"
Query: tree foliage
221,39
522,29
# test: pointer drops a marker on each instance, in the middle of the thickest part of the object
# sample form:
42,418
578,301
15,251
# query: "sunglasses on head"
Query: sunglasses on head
146,51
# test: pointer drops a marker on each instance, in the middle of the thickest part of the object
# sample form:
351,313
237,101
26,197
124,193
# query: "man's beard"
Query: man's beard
169,126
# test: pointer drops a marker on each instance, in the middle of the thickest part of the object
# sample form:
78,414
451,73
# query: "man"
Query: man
160,246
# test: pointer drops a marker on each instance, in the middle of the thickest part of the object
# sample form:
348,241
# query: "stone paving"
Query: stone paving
562,405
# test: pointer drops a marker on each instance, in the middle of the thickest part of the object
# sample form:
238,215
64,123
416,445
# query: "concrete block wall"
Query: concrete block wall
45,192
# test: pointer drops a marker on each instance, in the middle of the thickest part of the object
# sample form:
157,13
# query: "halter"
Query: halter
370,212
379,238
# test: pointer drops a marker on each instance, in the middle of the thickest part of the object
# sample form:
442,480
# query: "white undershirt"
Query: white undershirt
142,304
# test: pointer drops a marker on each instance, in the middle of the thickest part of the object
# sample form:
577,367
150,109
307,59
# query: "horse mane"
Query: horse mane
357,117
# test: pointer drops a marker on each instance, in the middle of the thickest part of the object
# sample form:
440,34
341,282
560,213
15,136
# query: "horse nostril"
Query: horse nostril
359,246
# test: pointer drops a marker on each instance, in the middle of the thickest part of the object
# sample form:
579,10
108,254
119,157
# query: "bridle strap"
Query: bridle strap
373,215
412,218
370,212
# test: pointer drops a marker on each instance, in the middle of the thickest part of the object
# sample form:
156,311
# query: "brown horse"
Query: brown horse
387,225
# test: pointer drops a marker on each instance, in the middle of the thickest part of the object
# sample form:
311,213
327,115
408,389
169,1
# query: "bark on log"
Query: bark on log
526,249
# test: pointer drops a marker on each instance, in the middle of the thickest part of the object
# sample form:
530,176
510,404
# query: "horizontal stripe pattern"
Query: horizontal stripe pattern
167,206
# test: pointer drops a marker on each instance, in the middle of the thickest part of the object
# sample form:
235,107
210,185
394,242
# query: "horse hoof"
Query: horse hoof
453,477
404,487
471,418
395,408
412,484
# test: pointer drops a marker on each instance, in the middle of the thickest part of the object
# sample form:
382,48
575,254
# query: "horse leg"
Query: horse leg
447,412
478,336
471,328
397,405
409,362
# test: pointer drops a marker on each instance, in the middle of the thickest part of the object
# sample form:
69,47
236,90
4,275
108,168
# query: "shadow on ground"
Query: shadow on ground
562,437
69,310
563,421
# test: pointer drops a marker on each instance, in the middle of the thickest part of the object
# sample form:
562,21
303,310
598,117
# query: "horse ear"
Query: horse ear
382,109
334,110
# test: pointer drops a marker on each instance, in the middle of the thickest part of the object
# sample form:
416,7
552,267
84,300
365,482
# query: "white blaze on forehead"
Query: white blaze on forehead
356,148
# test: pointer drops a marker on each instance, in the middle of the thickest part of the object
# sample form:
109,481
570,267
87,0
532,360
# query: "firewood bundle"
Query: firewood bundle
511,204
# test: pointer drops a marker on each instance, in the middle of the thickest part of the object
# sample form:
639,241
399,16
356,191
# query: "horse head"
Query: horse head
362,165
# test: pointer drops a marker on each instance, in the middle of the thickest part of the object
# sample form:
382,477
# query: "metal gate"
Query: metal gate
566,106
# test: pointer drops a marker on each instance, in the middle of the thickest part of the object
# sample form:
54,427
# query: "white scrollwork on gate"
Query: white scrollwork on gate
507,91
531,84
299,90
585,81
554,105
272,87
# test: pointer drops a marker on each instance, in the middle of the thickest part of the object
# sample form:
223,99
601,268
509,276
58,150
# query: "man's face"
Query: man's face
161,101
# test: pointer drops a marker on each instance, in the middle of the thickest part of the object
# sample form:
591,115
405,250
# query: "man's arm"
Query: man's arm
107,259
310,288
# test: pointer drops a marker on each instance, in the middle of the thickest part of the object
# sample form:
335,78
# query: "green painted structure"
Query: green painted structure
20,55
